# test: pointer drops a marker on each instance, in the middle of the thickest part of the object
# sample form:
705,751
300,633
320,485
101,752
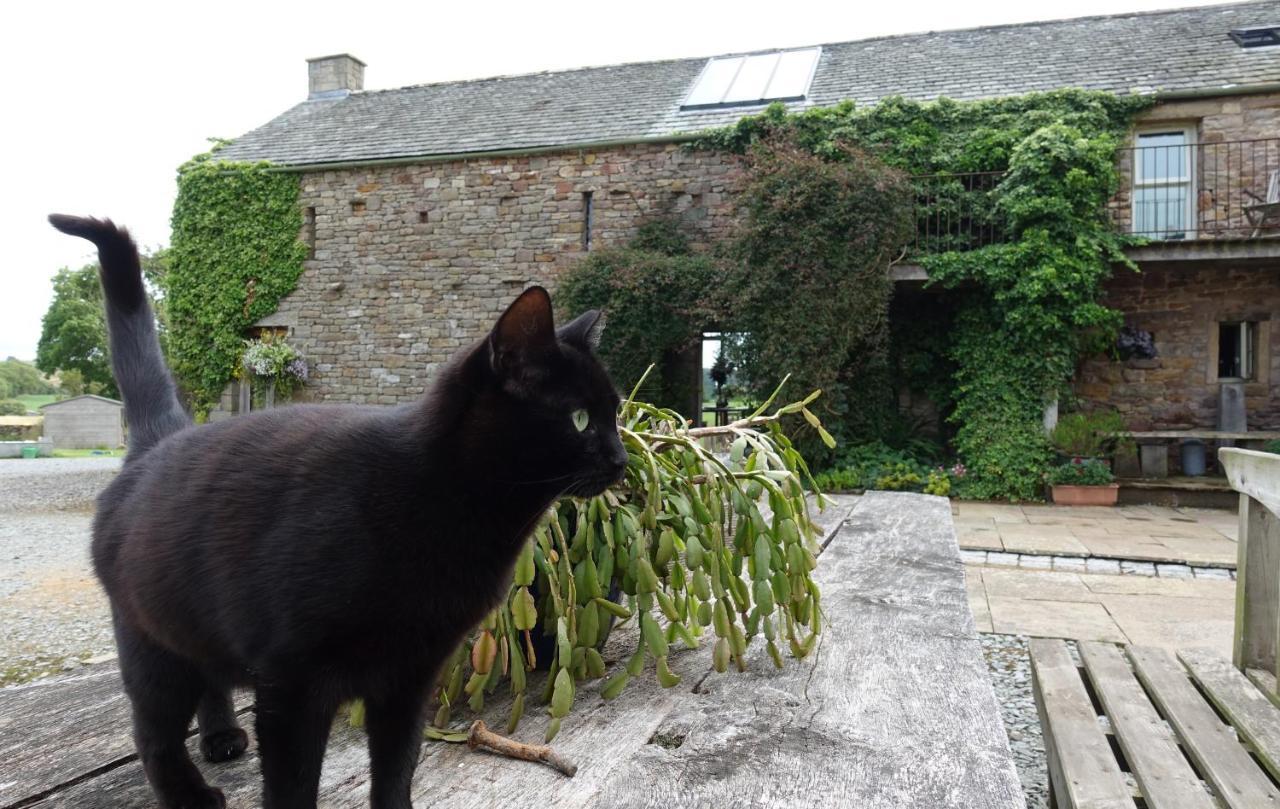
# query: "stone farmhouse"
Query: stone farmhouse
428,207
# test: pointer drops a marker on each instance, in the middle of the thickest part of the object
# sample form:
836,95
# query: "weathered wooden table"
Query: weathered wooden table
895,709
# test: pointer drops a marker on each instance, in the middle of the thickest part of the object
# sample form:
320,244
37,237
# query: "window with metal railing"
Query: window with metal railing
1163,184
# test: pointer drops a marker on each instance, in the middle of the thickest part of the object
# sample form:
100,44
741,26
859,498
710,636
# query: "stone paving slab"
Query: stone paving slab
1170,613
1156,534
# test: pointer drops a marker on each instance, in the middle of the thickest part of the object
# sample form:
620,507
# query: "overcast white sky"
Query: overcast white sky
102,101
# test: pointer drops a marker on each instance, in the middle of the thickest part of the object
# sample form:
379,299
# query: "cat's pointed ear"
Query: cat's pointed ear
525,333
586,329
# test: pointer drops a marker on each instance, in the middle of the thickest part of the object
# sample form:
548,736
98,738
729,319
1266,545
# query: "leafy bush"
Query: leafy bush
683,542
1272,447
1091,472
809,291
939,483
1097,434
878,466
12,407
659,299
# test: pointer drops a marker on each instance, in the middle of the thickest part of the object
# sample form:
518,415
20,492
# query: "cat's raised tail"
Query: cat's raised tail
151,405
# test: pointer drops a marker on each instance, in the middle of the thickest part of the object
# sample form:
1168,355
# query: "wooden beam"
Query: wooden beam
1082,768
1211,745
1254,473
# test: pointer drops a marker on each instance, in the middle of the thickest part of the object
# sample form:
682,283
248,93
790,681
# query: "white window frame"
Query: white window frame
1188,132
721,103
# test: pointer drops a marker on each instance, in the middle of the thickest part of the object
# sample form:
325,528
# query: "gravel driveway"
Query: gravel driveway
54,614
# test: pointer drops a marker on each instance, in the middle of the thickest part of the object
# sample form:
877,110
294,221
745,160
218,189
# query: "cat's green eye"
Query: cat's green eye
580,419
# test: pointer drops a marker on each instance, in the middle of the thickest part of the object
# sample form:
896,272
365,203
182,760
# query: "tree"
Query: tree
18,378
73,334
73,337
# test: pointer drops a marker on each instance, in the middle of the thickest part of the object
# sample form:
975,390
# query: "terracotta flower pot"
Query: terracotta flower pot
1085,495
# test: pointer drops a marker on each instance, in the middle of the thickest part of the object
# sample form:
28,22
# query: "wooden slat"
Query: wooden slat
1150,747
1083,769
1254,473
1266,683
1249,711
1210,744
53,732
1257,588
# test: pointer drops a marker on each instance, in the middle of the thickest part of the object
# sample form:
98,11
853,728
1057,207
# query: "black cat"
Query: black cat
322,553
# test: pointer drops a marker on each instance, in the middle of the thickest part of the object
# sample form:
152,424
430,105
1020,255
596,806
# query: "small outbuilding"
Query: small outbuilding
84,422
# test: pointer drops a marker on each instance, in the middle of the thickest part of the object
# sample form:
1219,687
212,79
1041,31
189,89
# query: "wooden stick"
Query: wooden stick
481,736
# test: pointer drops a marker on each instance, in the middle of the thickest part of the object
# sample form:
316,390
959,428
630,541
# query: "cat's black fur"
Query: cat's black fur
321,553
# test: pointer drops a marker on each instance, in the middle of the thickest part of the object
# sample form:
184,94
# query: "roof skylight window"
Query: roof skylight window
728,81
1257,37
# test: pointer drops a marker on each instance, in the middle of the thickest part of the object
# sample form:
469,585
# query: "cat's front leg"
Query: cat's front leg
293,726
394,723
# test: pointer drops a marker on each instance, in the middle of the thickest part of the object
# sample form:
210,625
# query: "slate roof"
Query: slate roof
1182,51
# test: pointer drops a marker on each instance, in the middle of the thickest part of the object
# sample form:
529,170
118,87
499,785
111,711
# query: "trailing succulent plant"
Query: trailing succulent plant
695,546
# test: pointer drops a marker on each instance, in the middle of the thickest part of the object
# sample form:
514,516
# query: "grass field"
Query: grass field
88,453
34,402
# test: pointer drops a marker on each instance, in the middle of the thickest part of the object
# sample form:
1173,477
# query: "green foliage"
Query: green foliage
686,545
939,483
12,407
877,465
73,333
659,299
18,378
1272,447
1024,310
810,290
235,254
1096,434
1089,472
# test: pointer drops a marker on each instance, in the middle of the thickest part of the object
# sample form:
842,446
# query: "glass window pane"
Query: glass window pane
1160,211
791,79
753,78
1163,156
714,81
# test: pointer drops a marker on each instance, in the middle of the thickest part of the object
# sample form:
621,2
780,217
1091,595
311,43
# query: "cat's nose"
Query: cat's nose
618,462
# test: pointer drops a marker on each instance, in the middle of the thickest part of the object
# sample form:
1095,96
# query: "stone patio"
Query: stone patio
1200,537
1147,601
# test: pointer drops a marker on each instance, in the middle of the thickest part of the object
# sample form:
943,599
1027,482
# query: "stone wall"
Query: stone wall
84,422
1182,308
412,263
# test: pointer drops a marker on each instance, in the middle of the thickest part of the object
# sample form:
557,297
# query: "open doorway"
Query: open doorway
723,399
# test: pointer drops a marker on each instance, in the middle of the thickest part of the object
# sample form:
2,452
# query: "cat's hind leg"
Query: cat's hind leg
221,738
164,689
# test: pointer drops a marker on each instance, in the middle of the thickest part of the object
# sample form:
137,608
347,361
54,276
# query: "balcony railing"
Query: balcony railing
1167,192
1198,190
955,212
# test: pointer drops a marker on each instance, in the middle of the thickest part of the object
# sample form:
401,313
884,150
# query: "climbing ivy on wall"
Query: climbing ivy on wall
235,254
1028,307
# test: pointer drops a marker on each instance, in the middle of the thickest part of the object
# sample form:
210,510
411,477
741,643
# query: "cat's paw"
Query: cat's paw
224,745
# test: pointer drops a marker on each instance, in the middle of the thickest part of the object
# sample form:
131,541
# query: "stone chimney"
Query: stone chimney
333,76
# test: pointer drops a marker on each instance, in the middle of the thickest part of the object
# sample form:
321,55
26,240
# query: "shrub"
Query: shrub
12,407
1097,434
1089,472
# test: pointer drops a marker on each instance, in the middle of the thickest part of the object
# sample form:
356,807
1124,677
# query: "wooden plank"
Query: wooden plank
1254,473
1150,747
1211,745
1252,715
54,732
1258,590
894,708
1212,435
1083,769
1266,683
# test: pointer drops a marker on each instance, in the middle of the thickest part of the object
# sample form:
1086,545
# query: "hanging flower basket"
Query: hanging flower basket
275,362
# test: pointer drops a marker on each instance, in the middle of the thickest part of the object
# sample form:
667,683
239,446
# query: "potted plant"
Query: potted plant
1083,483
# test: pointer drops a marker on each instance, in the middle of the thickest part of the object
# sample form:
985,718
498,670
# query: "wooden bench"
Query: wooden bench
1192,731
894,709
